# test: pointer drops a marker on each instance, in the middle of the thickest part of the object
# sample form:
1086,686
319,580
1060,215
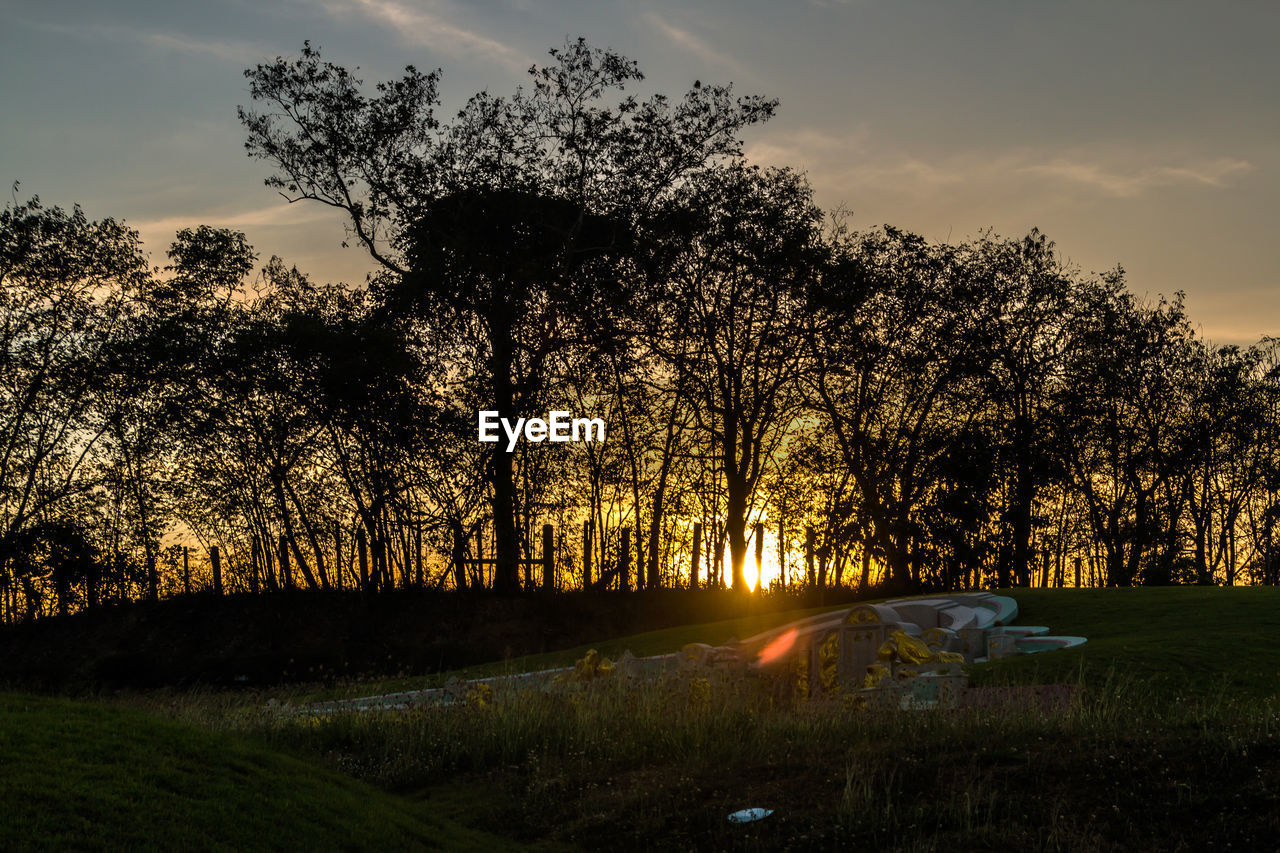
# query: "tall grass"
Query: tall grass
662,761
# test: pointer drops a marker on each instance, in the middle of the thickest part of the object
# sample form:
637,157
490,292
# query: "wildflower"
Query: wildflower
699,695
479,696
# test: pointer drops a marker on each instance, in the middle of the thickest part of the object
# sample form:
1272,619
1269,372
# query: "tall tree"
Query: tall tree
553,180
1126,390
897,375
748,245
64,284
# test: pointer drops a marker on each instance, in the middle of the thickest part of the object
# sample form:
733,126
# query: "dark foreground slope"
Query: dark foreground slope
1171,743
83,776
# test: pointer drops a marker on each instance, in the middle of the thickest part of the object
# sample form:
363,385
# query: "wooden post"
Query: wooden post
362,551
418,579
697,553
586,554
388,578
286,569
406,573
253,563
337,555
716,555
810,536
215,559
459,557
624,561
782,552
759,555
1076,563
548,558
480,554
379,571
186,571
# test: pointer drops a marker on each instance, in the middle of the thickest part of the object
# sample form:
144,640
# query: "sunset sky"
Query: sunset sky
1144,134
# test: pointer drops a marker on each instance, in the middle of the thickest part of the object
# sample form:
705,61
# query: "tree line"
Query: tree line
913,414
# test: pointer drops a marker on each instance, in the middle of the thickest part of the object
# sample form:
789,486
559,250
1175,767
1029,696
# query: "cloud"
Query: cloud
235,52
693,44
853,160
422,24
1136,182
282,214
238,53
807,148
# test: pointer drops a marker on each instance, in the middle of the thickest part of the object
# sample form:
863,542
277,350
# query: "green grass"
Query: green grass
82,775
1178,641
620,768
1173,744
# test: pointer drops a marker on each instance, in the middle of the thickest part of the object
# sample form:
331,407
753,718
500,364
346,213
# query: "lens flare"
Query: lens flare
773,652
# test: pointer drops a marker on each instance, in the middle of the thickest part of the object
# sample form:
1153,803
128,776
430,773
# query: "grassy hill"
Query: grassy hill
1200,641
83,775
1174,744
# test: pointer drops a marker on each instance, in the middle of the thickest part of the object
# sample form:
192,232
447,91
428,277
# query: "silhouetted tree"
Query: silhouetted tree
64,283
560,170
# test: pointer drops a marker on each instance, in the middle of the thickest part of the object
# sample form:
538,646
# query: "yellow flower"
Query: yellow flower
479,696
699,694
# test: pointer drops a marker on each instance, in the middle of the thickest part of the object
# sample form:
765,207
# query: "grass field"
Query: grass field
1173,744
1201,641
85,775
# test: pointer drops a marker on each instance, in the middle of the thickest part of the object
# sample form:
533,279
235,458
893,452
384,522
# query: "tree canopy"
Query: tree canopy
937,415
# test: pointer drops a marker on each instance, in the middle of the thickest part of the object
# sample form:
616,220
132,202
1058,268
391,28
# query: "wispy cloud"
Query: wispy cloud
235,52
692,43
854,161
232,51
1135,182
426,24
807,149
282,214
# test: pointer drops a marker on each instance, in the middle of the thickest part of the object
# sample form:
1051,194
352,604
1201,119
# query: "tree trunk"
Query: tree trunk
735,528
506,577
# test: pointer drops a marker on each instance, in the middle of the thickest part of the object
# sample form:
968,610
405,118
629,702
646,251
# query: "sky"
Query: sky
1144,134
